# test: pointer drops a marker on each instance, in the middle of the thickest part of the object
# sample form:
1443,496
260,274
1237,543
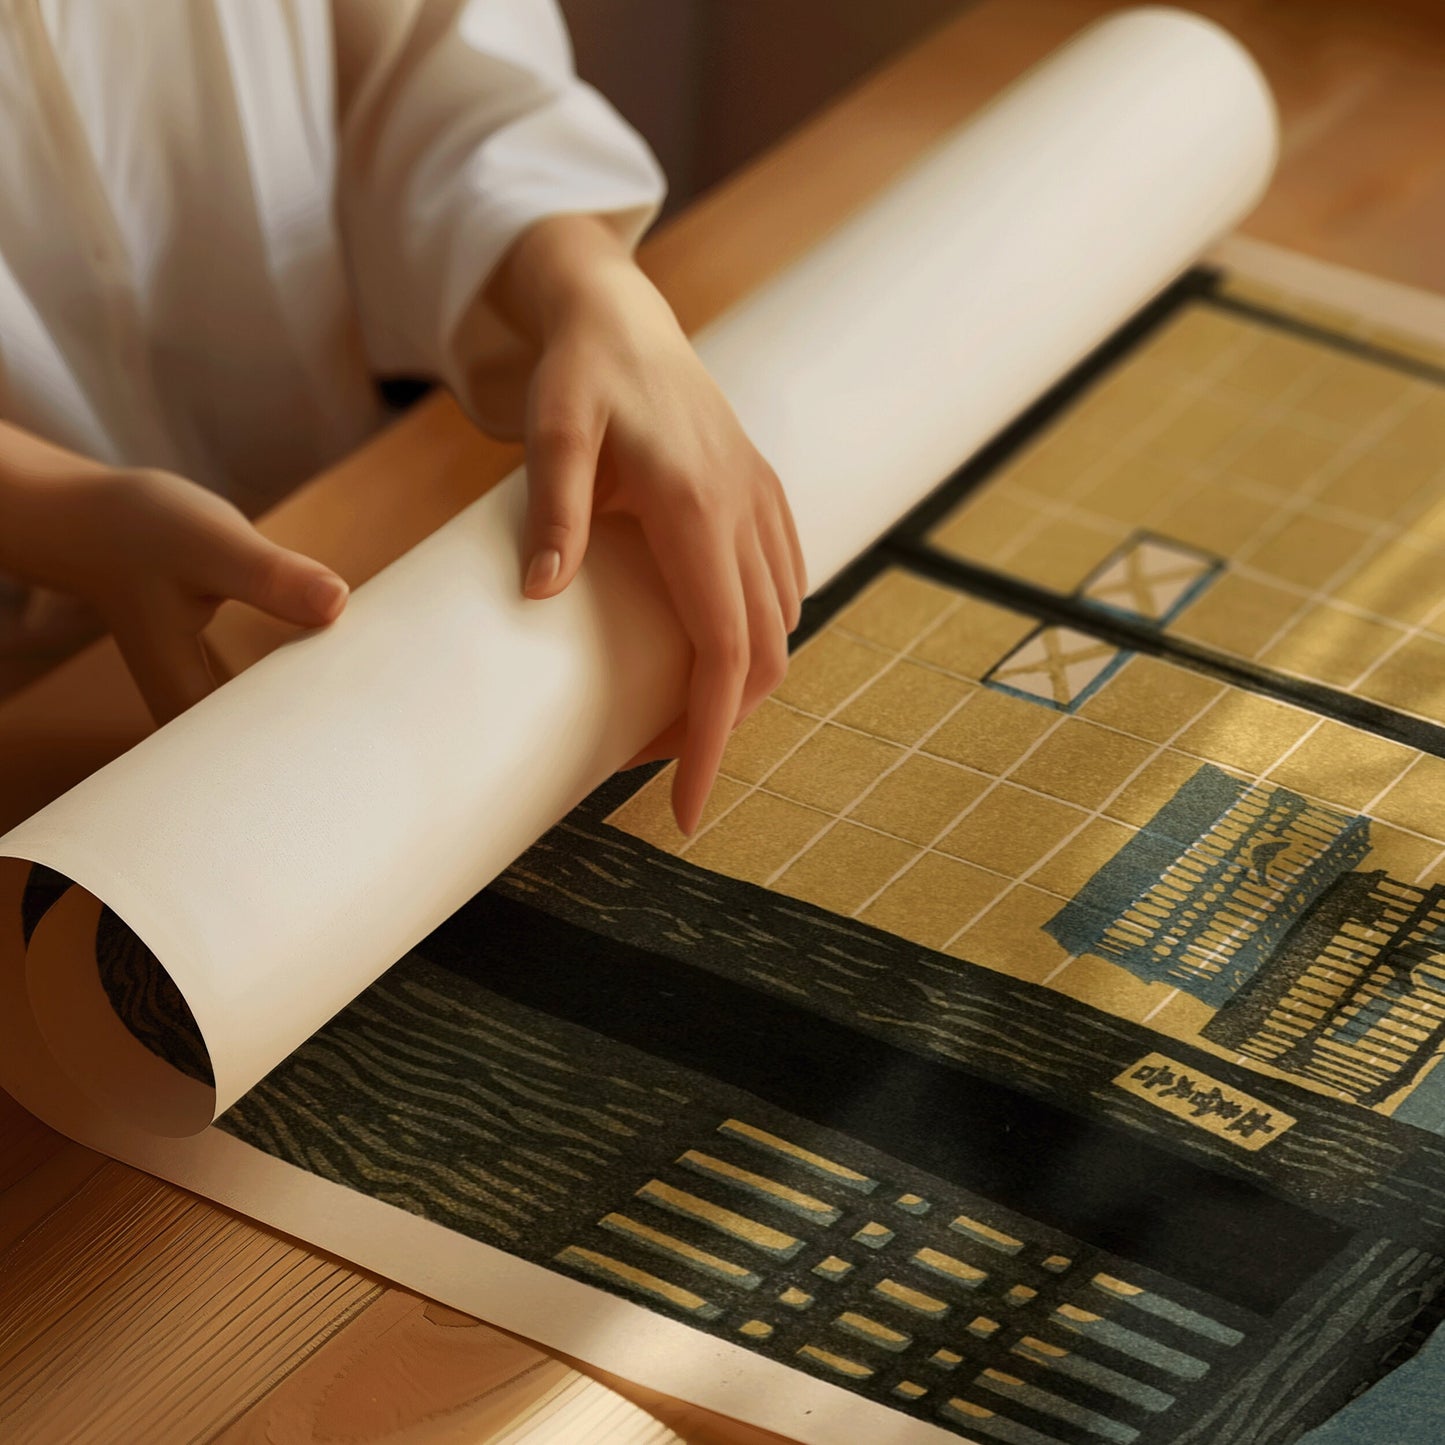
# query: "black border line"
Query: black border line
1120,631
1192,286
906,546
1321,334
897,547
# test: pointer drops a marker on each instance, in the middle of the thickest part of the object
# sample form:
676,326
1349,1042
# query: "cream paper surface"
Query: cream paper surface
282,844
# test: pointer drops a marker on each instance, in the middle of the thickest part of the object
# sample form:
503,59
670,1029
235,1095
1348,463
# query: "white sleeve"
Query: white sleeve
462,122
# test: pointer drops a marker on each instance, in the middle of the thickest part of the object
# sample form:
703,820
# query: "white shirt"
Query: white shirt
219,218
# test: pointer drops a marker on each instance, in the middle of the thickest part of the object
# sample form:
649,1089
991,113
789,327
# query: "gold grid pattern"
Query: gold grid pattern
1317,475
885,783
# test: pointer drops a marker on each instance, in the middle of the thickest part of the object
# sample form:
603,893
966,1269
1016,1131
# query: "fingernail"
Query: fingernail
327,594
543,569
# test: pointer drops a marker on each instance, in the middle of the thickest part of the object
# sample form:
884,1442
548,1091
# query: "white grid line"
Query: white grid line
1160,749
1324,594
948,827
1072,504
1376,537
894,658
1122,447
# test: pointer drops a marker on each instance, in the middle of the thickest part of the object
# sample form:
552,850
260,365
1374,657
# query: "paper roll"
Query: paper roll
284,842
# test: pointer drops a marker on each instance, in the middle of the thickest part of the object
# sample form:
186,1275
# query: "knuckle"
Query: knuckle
562,437
554,522
150,489
725,645
695,501
265,571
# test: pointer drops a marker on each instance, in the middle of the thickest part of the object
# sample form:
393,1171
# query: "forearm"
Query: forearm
39,483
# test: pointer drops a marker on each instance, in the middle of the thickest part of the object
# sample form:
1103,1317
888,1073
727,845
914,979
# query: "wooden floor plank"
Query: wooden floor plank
134,1311
405,1370
25,1143
44,1188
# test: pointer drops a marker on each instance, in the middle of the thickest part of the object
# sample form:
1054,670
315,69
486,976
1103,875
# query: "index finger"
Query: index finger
172,667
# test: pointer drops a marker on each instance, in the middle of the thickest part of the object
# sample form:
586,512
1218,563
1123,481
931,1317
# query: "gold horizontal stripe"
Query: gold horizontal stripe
967,1407
721,1169
965,1225
1042,1347
914,1299
874,1329
844,1366
947,1264
841,1172
1117,1286
737,1225
590,1260
680,1247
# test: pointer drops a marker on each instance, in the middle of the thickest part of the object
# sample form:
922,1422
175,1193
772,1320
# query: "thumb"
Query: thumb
285,584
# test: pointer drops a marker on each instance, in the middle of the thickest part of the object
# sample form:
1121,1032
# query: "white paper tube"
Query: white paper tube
284,842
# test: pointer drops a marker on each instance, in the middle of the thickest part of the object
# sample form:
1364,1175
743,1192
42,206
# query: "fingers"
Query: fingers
767,625
700,570
667,744
166,527
171,667
785,530
236,561
726,595
292,587
778,543
562,451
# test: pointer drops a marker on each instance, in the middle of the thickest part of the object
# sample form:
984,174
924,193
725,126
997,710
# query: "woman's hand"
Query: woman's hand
623,417
154,555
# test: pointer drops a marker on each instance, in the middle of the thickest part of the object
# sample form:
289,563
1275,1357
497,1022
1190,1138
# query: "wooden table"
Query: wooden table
130,1310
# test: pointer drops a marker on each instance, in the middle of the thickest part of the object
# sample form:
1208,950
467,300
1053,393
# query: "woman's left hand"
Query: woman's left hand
623,417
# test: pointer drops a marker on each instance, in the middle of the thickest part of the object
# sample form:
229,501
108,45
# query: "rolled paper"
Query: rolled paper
285,841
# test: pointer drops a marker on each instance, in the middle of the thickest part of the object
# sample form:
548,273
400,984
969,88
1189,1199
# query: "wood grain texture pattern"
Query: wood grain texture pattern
405,1370
104,1300
130,1310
